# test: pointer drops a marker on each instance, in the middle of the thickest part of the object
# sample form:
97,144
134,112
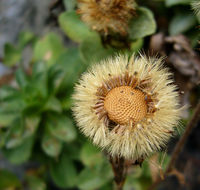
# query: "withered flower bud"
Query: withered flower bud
107,16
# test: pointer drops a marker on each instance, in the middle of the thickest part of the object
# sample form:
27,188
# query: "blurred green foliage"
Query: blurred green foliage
35,113
8,180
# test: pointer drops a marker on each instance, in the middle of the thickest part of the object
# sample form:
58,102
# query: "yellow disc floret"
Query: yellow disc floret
124,104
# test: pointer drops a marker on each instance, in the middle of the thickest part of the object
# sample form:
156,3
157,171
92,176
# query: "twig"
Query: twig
179,146
120,171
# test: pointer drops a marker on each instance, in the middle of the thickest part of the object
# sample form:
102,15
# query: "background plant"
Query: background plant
37,126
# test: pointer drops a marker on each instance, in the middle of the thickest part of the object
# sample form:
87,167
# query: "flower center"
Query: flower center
124,104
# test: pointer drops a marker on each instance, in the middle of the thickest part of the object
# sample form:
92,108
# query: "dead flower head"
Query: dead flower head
196,7
107,16
127,106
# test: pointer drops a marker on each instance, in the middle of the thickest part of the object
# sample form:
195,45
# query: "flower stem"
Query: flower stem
119,168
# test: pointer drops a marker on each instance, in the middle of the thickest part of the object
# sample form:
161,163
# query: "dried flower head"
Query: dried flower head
196,7
128,106
107,16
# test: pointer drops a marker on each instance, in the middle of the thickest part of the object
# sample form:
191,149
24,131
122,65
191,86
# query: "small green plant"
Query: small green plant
36,122
37,109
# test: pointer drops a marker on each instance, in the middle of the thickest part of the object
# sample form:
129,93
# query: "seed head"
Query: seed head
107,16
196,7
127,106
123,103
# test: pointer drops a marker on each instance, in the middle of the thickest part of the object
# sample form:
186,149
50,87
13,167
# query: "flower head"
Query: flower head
196,7
107,16
127,106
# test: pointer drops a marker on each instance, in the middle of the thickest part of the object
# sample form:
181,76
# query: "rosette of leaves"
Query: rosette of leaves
36,111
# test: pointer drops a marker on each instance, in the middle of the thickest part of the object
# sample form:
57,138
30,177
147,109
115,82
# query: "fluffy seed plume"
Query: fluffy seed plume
127,106
196,7
107,16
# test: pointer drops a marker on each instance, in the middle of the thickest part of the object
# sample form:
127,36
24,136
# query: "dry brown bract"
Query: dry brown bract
107,16
128,106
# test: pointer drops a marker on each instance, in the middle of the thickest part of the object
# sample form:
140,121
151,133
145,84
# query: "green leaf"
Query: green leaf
137,45
35,183
7,93
7,118
90,155
3,135
73,65
107,186
48,49
56,75
69,5
21,153
51,145
34,107
74,28
15,138
39,68
94,178
21,78
93,51
181,22
12,103
61,127
143,24
39,78
12,55
170,3
25,37
10,108
8,181
31,125
36,89
53,104
72,150
63,172
66,73
66,103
